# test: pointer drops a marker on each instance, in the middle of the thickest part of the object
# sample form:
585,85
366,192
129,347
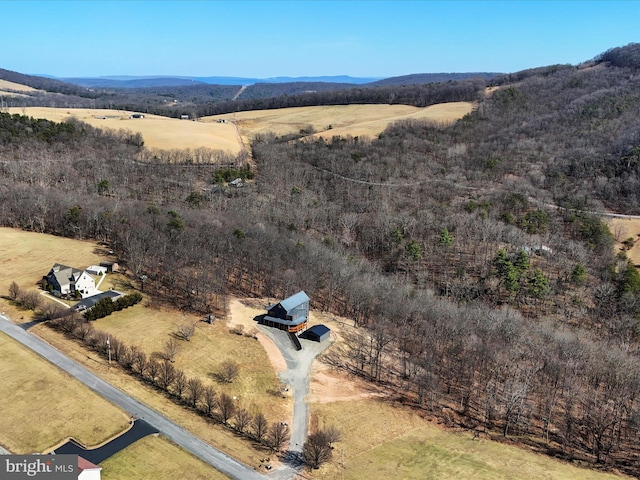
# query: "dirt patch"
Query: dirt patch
623,229
328,385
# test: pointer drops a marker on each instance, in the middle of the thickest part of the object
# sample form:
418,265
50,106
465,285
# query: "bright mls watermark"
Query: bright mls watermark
45,467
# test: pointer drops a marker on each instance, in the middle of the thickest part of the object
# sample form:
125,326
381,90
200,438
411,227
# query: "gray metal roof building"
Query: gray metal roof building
291,314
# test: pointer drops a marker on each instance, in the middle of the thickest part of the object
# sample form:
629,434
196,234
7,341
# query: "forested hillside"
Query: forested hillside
477,298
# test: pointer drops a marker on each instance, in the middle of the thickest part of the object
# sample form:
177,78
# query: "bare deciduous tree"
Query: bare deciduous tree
278,436
30,300
186,331
14,291
229,370
209,399
194,391
317,449
153,367
179,383
242,419
139,360
226,407
333,433
166,375
259,425
170,350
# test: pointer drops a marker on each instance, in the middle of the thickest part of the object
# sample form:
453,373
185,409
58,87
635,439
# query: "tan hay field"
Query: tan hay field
41,405
7,85
157,458
354,120
4,93
383,441
157,131
623,228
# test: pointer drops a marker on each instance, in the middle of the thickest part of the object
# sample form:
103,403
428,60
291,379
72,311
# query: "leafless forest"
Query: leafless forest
476,299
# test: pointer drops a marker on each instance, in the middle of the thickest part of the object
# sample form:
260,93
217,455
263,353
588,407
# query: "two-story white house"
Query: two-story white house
68,281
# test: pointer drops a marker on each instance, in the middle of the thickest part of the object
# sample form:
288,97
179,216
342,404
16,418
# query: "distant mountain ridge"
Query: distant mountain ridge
132,81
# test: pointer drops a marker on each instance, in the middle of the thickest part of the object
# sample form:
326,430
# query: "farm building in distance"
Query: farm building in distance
290,315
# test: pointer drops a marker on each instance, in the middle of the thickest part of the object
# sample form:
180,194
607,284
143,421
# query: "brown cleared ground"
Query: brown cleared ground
41,405
354,120
158,132
622,229
157,458
385,441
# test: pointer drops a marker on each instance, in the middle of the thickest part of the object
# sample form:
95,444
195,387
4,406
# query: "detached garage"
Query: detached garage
318,333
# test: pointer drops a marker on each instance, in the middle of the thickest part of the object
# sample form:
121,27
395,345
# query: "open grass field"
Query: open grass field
382,441
158,132
41,405
354,120
210,345
155,457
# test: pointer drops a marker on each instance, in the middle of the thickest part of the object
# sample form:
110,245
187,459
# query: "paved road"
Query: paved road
219,460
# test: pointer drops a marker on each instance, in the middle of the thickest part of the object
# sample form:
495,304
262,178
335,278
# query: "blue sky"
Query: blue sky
299,38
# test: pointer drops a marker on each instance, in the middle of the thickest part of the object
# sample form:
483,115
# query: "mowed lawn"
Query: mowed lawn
41,405
330,120
157,131
382,441
150,328
155,457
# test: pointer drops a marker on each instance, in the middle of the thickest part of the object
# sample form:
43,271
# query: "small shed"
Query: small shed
318,333
110,266
184,117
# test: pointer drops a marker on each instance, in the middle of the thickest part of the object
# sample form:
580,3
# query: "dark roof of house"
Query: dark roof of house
319,330
294,300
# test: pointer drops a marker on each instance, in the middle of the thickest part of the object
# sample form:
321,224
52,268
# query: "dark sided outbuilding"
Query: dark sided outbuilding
317,333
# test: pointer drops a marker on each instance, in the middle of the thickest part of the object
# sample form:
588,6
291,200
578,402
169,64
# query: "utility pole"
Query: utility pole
109,349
